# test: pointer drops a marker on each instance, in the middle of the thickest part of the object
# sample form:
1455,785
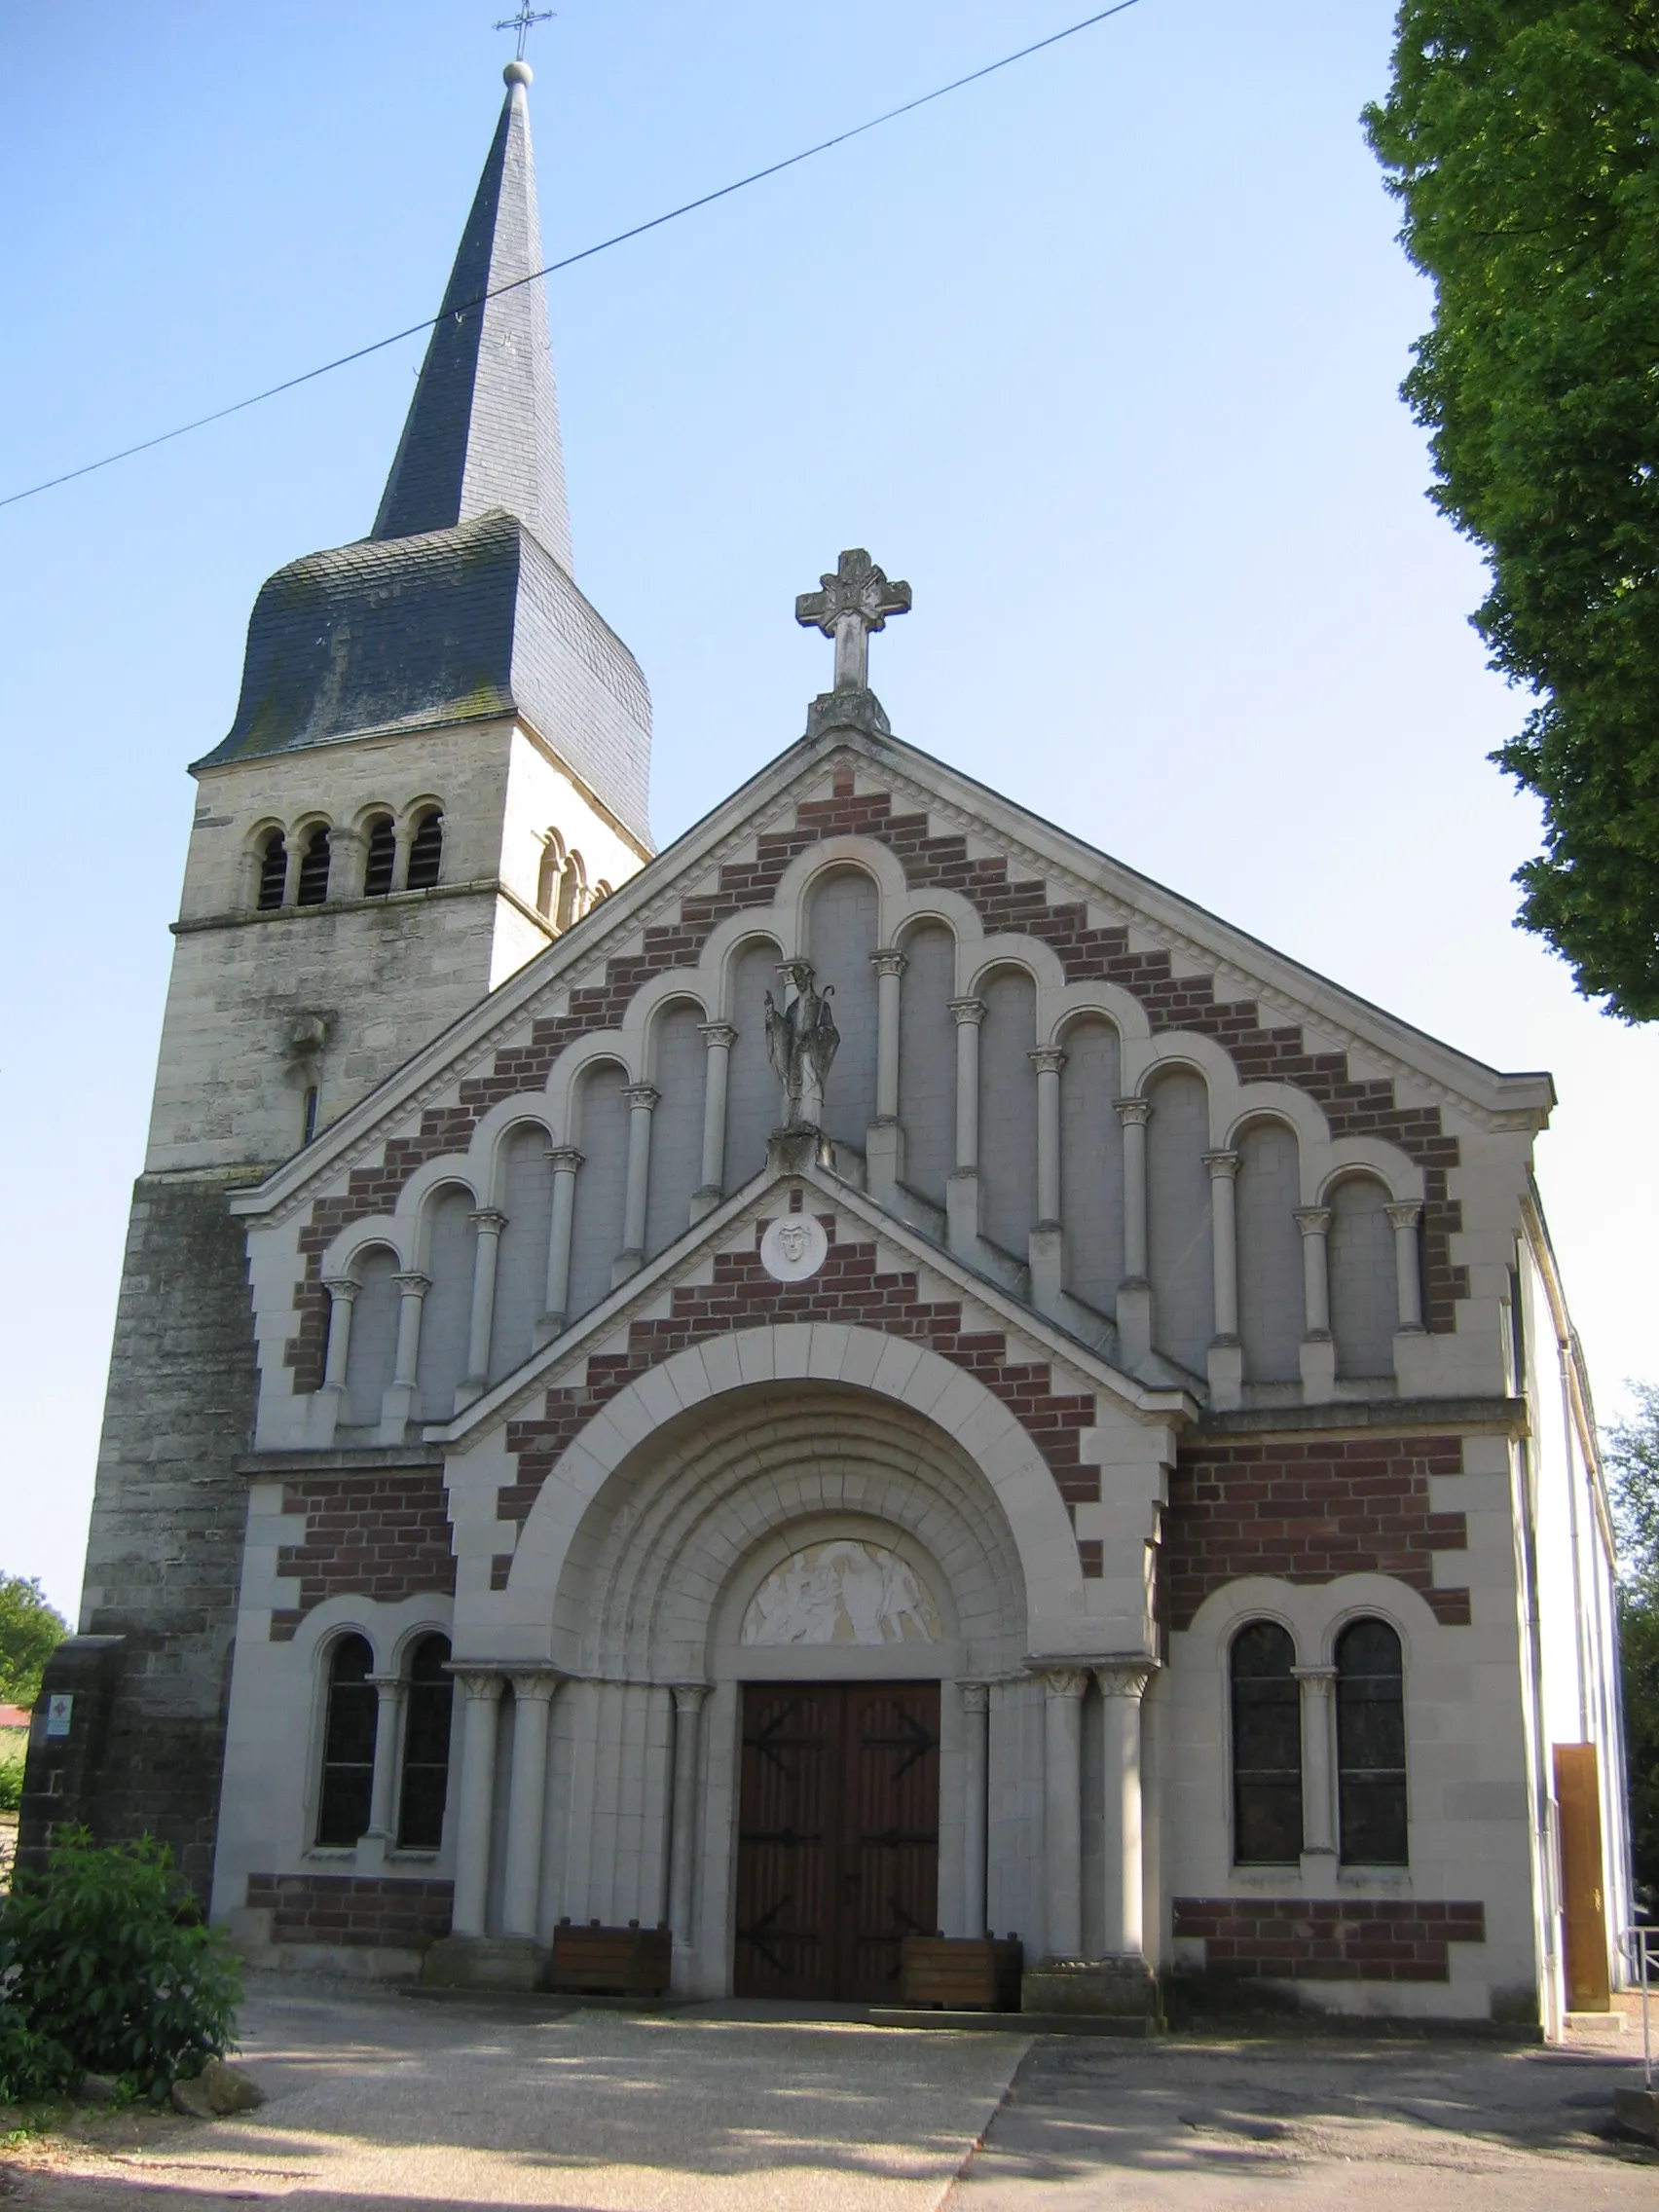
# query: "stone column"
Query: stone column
489,1223
1408,1271
889,966
398,1405
969,1013
1226,1360
1319,1767
383,1790
475,1796
565,1160
976,1805
1048,1060
1134,1291
294,846
719,1038
342,1293
1123,1685
348,864
1063,1690
402,837
682,1830
526,1803
641,1099
1318,1355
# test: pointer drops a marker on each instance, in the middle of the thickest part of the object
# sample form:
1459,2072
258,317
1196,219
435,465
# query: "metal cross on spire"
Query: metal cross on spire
853,602
523,20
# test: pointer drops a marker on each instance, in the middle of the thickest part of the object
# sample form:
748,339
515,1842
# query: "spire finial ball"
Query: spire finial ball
518,73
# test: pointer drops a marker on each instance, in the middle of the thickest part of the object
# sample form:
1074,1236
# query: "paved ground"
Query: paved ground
385,2103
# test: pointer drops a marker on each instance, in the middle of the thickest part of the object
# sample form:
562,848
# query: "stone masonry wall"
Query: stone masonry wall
1309,1511
365,1911
1351,1107
385,1535
163,1552
1328,1938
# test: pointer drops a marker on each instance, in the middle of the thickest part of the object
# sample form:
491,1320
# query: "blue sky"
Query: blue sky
1102,355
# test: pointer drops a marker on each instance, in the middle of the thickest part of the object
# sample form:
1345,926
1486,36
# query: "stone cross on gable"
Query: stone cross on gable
855,601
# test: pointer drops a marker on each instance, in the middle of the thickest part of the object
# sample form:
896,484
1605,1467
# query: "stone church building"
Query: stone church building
873,1372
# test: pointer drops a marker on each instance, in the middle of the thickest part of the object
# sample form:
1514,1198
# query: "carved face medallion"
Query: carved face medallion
793,1247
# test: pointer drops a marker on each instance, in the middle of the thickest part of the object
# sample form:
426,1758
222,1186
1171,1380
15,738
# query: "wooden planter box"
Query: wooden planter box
612,1962
962,1973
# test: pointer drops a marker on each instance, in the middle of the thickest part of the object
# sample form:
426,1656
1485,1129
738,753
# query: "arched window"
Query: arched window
348,1744
547,880
1266,1747
314,869
272,870
382,857
1364,1298
1370,1745
426,1746
427,852
572,888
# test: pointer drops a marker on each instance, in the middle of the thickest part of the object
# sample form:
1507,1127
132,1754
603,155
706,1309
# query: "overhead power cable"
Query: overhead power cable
552,269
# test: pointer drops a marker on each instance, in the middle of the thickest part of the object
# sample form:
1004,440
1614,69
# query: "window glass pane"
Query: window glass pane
1266,1747
426,1746
1370,1745
349,1746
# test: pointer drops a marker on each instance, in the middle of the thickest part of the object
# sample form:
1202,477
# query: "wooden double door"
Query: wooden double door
837,1858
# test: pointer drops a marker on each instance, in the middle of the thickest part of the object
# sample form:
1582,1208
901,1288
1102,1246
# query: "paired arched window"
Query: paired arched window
381,856
314,869
1266,1747
1266,1699
350,1733
1370,1745
272,870
570,903
427,852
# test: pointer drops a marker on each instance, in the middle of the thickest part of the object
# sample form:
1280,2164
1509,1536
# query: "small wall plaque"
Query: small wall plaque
57,1712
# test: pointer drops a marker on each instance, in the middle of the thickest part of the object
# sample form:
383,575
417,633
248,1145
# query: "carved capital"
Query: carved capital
1062,1681
1313,1221
888,961
1318,1678
975,1697
489,1220
688,1697
340,1288
1133,1113
535,1686
968,1010
565,1158
719,1035
486,1683
1127,1676
641,1098
413,1284
1406,1213
392,1687
1222,1165
1048,1060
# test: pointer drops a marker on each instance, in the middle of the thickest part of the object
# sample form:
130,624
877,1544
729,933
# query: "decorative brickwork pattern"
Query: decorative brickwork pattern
384,1536
847,1289
1309,1511
1188,1002
1329,1938
369,1912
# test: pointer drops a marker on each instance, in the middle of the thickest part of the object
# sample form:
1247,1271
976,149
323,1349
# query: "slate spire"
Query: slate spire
483,427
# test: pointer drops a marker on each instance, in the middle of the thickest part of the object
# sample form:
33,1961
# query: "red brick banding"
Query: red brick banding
1329,1938
1352,1108
384,1536
1308,1513
847,1288
369,1912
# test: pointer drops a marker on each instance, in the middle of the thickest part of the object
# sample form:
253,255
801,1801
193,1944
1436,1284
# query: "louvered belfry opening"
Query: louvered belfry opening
314,869
382,857
427,852
272,871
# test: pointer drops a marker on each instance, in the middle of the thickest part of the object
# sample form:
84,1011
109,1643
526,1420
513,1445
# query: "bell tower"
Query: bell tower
439,761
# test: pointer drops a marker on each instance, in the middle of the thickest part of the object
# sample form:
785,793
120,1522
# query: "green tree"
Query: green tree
1631,1456
1521,140
30,1631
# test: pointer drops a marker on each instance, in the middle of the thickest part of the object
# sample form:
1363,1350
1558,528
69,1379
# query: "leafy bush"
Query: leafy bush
14,1748
30,1632
105,1967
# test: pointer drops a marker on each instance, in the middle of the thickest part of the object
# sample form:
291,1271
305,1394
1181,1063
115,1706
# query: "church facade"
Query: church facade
872,1372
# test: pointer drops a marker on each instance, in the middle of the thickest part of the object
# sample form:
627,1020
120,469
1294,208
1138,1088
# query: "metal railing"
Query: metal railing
1639,1945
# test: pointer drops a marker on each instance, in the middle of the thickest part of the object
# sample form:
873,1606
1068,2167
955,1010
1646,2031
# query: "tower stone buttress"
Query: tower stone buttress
440,760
